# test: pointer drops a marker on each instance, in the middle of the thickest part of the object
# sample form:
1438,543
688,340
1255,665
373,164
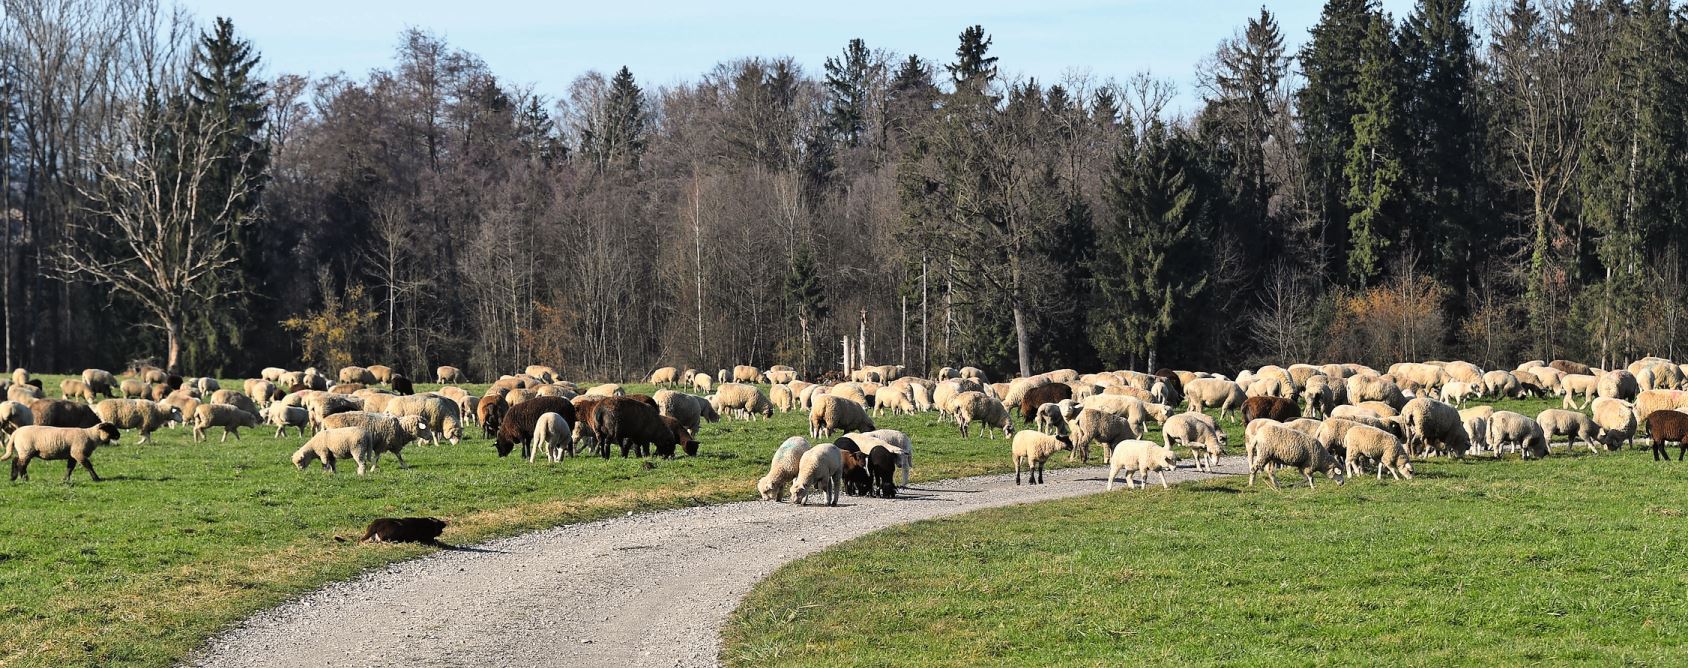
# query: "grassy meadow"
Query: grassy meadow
1573,560
183,539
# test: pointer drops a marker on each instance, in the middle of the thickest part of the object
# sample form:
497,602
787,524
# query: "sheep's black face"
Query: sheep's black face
691,448
504,447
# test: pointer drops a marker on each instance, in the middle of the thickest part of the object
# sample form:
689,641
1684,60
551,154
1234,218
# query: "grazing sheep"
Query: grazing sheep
553,434
1663,427
74,388
852,391
1319,395
1616,419
284,416
1574,384
819,468
272,373
328,445
489,411
894,399
515,426
1034,397
744,401
1571,424
1274,444
324,404
139,414
834,414
543,373
1135,411
1457,392
132,388
1362,442
1500,383
261,391
1035,448
971,407
1205,393
1101,427
1050,420
1431,423
72,444
383,374
100,382
449,374
780,376
664,376
230,418
782,397
440,412
14,415
744,373
702,382
1368,387
902,442
1507,427
882,463
387,433
783,469
688,409
235,399
637,425
1272,408
1619,385
356,374
1195,432
1132,455
62,413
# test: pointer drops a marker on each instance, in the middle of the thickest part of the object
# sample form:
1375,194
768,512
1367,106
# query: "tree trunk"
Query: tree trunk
1024,340
173,343
861,341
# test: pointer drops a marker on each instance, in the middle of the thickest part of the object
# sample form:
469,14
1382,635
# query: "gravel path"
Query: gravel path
643,590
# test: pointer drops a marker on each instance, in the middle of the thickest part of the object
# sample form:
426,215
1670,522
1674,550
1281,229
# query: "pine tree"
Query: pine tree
1148,267
621,139
847,81
973,71
1446,214
1376,167
1330,63
1236,125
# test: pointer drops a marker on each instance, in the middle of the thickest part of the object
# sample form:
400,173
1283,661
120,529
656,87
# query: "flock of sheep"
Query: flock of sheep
1334,419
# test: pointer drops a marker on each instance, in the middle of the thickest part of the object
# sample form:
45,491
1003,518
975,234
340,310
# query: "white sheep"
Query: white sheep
1274,444
440,413
137,414
835,414
1616,419
703,382
783,468
901,441
1036,448
744,401
820,468
387,433
1457,392
1363,442
72,444
1133,455
1205,393
283,416
971,407
1570,424
553,434
328,445
1197,434
1574,384
230,418
449,374
894,399
1510,428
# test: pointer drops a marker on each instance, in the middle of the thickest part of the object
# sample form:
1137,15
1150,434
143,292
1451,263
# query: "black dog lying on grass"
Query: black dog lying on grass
425,530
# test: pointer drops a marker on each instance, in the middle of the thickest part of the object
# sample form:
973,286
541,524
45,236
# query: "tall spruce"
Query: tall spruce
974,70
1148,265
1446,215
1237,123
847,82
1330,64
620,139
1377,160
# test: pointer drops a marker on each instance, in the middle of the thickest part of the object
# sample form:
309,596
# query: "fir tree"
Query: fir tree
847,81
1444,135
1330,63
1376,167
973,71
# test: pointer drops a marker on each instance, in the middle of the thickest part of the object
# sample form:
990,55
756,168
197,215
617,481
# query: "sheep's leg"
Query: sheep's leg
1309,474
1272,477
1113,471
1162,475
397,454
20,466
69,467
1016,470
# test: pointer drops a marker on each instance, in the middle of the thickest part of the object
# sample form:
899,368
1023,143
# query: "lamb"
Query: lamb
1663,426
72,444
100,382
783,469
1050,420
1571,424
744,373
387,433
882,463
1133,455
664,376
61,413
449,374
1274,444
74,388
1457,392
328,445
1616,419
284,416
1499,383
1204,393
831,413
1095,426
702,382
516,426
819,468
1036,448
971,407
1197,434
1433,423
440,412
230,418
902,442
894,399
1507,427
552,433
745,401
137,414
1362,442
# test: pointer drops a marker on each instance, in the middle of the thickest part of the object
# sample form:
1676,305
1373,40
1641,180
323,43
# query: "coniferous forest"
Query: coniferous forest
1494,182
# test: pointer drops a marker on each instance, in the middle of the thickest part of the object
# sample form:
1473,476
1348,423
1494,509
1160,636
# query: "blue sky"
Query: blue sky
547,44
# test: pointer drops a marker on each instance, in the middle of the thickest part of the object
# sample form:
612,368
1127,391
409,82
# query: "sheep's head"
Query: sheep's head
503,445
1066,443
108,432
1335,471
765,487
303,456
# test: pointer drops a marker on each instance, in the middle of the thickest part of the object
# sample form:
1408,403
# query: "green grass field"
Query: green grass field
1574,560
183,538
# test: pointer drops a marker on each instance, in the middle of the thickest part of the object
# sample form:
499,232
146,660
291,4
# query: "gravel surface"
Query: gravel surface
642,590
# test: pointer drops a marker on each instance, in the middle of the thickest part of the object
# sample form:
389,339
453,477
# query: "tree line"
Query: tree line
1494,183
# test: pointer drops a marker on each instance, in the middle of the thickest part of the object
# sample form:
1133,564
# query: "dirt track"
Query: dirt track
643,590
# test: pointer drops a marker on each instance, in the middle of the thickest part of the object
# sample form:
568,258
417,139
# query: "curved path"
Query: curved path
643,590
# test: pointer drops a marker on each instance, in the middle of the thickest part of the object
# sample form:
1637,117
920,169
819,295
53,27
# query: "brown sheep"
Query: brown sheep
1043,394
1666,426
1271,408
637,425
489,410
516,427
63,413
